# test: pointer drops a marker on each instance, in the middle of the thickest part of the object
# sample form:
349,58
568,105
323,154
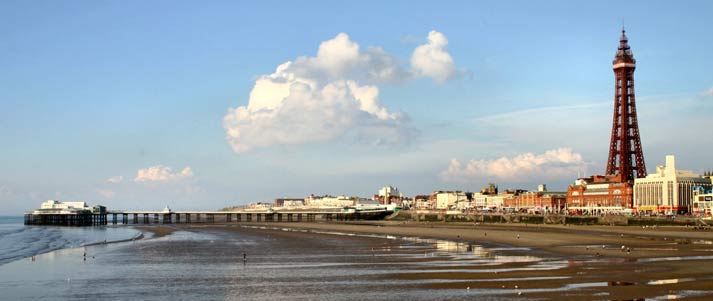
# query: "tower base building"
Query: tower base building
599,194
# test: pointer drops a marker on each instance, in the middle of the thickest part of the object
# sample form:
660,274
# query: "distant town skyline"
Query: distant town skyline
204,106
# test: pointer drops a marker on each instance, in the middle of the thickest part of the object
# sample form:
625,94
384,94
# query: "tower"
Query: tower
625,155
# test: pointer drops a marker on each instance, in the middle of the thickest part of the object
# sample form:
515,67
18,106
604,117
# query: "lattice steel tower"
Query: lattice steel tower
625,154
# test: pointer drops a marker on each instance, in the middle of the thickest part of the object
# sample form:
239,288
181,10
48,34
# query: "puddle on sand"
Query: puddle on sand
676,258
680,295
703,242
669,281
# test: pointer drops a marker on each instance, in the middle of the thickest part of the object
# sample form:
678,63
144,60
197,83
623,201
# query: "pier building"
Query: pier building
53,212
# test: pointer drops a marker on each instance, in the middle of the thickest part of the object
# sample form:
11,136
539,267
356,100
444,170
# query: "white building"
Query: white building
446,199
293,203
57,207
668,190
259,206
331,201
482,201
388,191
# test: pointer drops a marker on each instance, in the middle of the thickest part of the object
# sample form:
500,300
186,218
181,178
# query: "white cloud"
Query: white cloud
161,173
4,190
561,162
115,179
331,95
106,193
432,59
708,93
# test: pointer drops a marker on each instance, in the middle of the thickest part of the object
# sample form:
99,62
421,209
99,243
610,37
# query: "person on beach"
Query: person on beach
245,258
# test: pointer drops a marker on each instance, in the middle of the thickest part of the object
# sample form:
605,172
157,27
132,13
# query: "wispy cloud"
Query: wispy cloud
115,179
4,190
106,193
708,93
541,110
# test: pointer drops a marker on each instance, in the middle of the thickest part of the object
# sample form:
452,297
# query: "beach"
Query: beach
378,260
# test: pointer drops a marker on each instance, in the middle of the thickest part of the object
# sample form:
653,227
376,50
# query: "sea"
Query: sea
18,241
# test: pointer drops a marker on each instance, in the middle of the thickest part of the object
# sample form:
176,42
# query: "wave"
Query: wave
19,241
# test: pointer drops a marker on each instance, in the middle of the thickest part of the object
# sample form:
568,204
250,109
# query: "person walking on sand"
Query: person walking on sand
245,258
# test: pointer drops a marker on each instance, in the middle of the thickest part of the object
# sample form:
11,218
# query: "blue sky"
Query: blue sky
111,101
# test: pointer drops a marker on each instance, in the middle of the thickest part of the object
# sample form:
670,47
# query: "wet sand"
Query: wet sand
564,240
383,261
157,231
663,262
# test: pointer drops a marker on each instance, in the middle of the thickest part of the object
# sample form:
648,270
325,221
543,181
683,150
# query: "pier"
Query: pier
121,217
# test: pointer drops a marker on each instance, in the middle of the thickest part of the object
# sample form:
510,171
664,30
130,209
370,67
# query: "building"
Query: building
389,195
540,201
493,201
668,190
422,202
492,189
614,192
445,200
599,194
258,206
331,201
57,207
626,158
289,202
702,201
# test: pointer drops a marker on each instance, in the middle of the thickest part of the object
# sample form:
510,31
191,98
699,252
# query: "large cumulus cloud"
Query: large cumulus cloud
331,95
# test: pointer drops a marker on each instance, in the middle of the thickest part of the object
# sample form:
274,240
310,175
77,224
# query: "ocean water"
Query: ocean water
18,241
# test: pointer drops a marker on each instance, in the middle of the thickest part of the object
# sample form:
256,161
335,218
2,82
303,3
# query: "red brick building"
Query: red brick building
599,194
544,200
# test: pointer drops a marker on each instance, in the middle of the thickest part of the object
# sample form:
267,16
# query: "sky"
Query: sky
209,104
